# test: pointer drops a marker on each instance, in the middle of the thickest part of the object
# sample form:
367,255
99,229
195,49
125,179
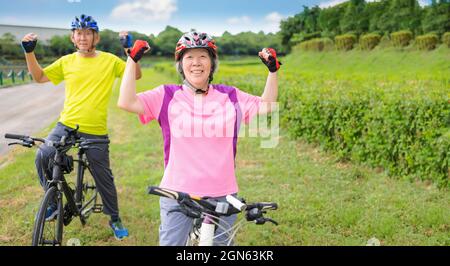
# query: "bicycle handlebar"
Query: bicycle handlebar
162,192
28,141
14,136
23,137
194,205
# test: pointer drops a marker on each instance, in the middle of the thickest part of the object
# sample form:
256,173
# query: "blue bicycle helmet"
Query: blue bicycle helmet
84,22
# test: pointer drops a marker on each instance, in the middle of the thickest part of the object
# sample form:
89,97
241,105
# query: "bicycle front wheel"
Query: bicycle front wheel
48,230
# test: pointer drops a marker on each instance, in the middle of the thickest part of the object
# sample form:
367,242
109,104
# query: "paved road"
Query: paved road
27,109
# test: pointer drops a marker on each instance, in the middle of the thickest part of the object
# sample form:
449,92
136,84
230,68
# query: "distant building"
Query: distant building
44,33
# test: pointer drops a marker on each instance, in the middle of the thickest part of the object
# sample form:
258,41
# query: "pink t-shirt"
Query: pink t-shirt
200,135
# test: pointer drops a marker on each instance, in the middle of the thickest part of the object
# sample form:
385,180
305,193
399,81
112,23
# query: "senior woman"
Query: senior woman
200,123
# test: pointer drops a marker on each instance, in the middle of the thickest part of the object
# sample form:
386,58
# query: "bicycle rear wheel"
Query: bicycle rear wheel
90,202
49,232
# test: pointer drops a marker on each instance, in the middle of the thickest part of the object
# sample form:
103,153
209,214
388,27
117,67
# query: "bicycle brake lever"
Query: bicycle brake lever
25,144
263,220
260,220
272,221
14,143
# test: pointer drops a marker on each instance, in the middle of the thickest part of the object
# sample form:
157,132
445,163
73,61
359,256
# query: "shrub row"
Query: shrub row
317,45
402,127
427,41
345,42
406,131
369,41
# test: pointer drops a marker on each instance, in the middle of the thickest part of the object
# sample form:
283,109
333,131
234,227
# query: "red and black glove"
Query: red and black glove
272,62
138,50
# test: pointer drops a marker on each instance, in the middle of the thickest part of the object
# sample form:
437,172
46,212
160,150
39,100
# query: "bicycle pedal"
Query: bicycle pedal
98,208
67,216
83,221
67,220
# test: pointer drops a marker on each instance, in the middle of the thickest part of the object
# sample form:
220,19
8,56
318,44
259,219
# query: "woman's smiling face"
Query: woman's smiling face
197,67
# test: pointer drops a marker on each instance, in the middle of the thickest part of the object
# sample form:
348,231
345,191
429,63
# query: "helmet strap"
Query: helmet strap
196,90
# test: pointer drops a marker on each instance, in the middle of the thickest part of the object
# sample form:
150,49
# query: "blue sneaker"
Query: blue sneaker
51,213
120,232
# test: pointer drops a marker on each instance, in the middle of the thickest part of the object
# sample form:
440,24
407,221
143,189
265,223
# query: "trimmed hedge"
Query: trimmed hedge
345,42
402,127
401,38
369,41
446,39
427,41
317,45
302,37
404,130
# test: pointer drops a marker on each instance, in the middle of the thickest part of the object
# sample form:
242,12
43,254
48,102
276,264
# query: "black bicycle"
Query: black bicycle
207,212
80,201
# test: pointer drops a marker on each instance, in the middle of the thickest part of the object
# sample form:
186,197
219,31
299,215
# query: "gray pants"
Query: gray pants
98,161
175,226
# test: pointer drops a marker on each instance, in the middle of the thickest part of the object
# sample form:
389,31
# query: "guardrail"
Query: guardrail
14,76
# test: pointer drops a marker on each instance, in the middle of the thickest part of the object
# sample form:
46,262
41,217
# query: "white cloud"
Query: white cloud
331,3
423,3
147,10
274,18
272,22
239,20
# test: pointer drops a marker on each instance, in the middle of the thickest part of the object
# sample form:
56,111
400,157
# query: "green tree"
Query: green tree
247,43
289,27
61,45
354,18
401,15
311,18
166,40
10,46
374,11
109,42
329,20
437,17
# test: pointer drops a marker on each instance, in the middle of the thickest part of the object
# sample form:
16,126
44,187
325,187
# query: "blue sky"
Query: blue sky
152,16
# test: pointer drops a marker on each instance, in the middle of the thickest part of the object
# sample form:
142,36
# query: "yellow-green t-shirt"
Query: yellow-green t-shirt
88,83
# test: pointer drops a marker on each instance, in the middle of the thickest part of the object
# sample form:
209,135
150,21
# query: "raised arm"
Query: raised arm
270,93
269,58
28,44
138,72
128,100
126,39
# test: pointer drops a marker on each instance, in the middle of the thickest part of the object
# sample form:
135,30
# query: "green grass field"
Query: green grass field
322,200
